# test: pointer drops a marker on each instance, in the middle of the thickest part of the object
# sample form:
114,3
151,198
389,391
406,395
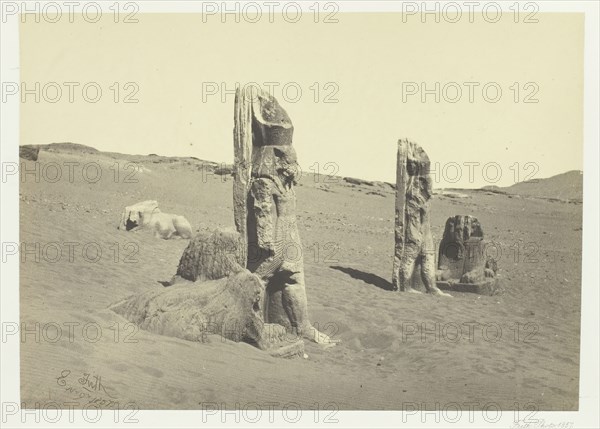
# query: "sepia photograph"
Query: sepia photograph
249,214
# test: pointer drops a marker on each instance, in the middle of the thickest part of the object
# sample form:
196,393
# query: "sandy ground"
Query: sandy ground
397,351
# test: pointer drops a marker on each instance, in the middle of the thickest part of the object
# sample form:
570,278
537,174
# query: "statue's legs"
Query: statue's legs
294,301
427,262
407,267
287,305
275,311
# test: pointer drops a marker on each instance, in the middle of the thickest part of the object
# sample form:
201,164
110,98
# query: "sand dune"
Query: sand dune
566,186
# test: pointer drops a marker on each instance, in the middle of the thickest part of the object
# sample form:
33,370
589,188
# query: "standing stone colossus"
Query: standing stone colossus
414,249
265,172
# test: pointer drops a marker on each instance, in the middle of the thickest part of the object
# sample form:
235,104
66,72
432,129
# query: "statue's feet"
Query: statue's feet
319,337
411,290
438,292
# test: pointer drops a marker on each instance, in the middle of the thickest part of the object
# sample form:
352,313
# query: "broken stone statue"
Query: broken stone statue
246,285
252,279
265,172
462,262
211,295
414,252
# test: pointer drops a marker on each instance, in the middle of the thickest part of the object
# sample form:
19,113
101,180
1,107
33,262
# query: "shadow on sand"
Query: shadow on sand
370,278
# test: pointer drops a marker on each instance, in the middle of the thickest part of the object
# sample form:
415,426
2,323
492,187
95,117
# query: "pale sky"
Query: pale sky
367,58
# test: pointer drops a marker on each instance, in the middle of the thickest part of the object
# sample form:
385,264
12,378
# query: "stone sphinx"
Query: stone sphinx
414,253
265,173
462,263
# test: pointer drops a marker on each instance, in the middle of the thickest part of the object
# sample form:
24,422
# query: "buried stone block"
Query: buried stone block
211,295
230,307
210,255
462,262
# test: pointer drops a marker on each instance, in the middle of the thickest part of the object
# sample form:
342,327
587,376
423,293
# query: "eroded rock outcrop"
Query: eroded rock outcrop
29,152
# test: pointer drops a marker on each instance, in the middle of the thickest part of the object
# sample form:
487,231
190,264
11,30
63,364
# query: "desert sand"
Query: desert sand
396,350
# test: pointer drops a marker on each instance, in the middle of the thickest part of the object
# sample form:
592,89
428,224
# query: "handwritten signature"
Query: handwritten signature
541,423
88,386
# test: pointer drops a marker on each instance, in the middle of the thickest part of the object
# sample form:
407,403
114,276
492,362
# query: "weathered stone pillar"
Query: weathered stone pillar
400,216
242,164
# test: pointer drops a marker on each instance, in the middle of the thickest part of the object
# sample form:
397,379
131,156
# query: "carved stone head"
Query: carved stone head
418,168
273,155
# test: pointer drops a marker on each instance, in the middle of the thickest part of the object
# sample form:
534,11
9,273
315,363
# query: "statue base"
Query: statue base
487,287
287,350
